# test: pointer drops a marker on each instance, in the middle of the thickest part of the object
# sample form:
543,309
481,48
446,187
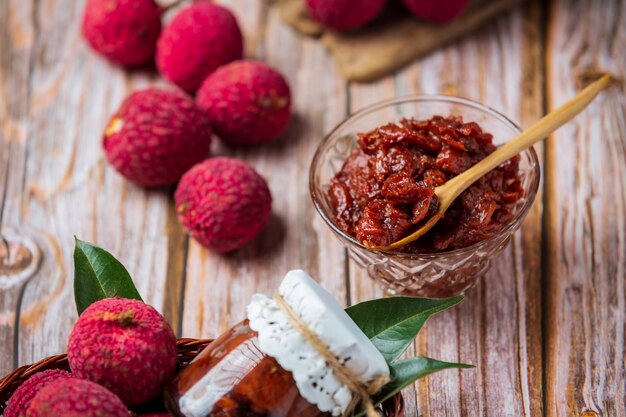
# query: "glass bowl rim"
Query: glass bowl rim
534,159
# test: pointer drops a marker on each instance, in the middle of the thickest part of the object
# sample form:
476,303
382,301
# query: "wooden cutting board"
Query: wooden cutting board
393,40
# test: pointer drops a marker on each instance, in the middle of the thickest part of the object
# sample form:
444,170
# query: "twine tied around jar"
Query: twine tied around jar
346,376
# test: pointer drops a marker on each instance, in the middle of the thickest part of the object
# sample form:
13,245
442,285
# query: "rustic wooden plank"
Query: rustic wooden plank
218,287
498,327
8,312
69,189
586,207
527,245
54,183
17,32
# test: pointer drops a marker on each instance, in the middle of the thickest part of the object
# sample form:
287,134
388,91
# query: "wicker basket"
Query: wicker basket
187,350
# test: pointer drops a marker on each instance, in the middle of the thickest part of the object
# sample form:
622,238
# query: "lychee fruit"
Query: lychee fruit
200,38
22,397
75,397
124,31
157,135
345,14
247,101
223,203
439,11
156,415
124,345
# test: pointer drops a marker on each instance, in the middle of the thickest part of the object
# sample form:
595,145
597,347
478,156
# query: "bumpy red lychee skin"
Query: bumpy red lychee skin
345,14
155,136
248,102
223,203
75,397
22,397
439,11
200,38
124,31
124,345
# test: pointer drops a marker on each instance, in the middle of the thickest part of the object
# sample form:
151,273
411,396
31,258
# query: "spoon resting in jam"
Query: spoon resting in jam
446,193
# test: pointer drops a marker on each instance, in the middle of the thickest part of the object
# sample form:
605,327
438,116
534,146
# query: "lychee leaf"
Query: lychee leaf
393,323
407,371
98,275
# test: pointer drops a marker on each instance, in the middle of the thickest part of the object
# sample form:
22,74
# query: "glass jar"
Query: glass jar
232,378
432,275
267,366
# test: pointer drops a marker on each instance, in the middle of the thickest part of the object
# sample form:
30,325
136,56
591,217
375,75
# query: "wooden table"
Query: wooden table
545,327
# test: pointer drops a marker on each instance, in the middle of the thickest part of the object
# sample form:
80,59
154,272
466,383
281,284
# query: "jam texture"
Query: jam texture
386,187
232,378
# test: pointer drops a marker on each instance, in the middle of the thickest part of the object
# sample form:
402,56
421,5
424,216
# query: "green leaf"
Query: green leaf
98,275
393,323
407,371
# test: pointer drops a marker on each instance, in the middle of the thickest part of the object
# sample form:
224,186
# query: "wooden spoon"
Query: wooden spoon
448,192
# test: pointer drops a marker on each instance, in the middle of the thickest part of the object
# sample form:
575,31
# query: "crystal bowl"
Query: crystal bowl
433,275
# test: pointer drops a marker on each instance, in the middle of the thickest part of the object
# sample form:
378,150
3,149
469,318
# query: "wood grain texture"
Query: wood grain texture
16,42
56,96
586,212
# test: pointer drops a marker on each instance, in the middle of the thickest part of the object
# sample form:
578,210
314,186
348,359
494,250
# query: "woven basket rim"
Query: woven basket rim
187,350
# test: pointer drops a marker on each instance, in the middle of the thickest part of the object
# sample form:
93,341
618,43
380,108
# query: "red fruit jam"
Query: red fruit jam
232,378
386,187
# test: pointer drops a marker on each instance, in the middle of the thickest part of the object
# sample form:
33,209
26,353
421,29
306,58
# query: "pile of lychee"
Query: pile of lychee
345,15
159,137
121,352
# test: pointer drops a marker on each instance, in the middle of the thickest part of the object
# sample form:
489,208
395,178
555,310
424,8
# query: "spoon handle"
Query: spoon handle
538,131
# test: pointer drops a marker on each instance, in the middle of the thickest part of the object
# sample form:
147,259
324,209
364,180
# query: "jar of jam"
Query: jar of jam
265,366
233,377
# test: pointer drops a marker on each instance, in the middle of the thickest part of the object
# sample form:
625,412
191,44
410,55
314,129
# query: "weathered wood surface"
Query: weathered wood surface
586,214
566,311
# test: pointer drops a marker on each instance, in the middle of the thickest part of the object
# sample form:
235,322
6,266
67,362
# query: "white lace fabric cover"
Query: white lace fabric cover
323,315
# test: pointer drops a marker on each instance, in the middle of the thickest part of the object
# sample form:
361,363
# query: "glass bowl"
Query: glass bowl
433,275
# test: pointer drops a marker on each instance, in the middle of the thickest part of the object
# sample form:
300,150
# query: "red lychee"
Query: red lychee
247,101
439,11
124,31
200,38
22,397
223,203
157,135
75,397
124,345
345,14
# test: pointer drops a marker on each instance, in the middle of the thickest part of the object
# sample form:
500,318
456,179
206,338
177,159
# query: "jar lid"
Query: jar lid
319,311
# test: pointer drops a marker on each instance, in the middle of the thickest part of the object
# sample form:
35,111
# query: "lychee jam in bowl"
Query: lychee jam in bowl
361,187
